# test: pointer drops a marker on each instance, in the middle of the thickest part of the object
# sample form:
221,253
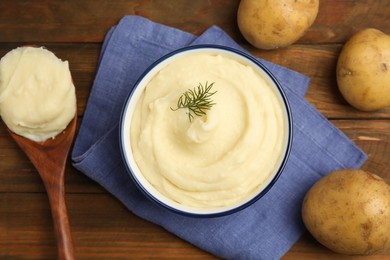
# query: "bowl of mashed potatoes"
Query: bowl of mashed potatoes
206,131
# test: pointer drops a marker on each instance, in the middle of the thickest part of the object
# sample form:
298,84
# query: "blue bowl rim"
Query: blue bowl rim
288,142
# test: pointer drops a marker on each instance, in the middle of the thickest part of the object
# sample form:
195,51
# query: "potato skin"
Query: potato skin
273,24
363,70
348,211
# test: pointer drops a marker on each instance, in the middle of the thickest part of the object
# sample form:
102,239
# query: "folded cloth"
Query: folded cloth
264,230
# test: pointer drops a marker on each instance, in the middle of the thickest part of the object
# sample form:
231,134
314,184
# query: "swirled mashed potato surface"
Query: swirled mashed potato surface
217,160
37,95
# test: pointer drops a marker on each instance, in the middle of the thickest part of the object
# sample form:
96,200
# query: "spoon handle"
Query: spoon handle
50,158
56,193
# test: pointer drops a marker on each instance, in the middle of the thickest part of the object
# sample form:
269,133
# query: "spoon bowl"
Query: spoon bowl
49,158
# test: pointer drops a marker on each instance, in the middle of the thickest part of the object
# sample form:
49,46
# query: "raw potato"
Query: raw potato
363,70
278,23
348,211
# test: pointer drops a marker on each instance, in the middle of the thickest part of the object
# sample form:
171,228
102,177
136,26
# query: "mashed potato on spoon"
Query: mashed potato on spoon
37,95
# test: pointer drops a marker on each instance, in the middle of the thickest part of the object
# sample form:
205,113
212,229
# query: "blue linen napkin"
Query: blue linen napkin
264,230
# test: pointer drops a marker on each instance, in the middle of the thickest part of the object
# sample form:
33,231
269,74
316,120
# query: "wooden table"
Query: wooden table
101,226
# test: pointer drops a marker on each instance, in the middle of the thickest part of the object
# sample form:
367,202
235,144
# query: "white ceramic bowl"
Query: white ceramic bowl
126,118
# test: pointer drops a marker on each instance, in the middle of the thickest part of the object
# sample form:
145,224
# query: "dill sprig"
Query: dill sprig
197,100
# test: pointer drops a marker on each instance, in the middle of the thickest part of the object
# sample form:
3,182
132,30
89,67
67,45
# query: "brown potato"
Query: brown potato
348,211
363,70
273,24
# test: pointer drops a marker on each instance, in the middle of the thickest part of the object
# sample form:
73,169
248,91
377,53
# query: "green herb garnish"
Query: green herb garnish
197,101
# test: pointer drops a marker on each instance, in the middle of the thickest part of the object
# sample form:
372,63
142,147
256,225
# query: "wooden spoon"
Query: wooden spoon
49,158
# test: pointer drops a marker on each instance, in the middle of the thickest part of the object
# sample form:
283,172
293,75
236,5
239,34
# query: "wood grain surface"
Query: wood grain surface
103,228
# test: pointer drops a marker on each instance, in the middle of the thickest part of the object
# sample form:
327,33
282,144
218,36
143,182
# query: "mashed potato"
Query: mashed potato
37,95
219,159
